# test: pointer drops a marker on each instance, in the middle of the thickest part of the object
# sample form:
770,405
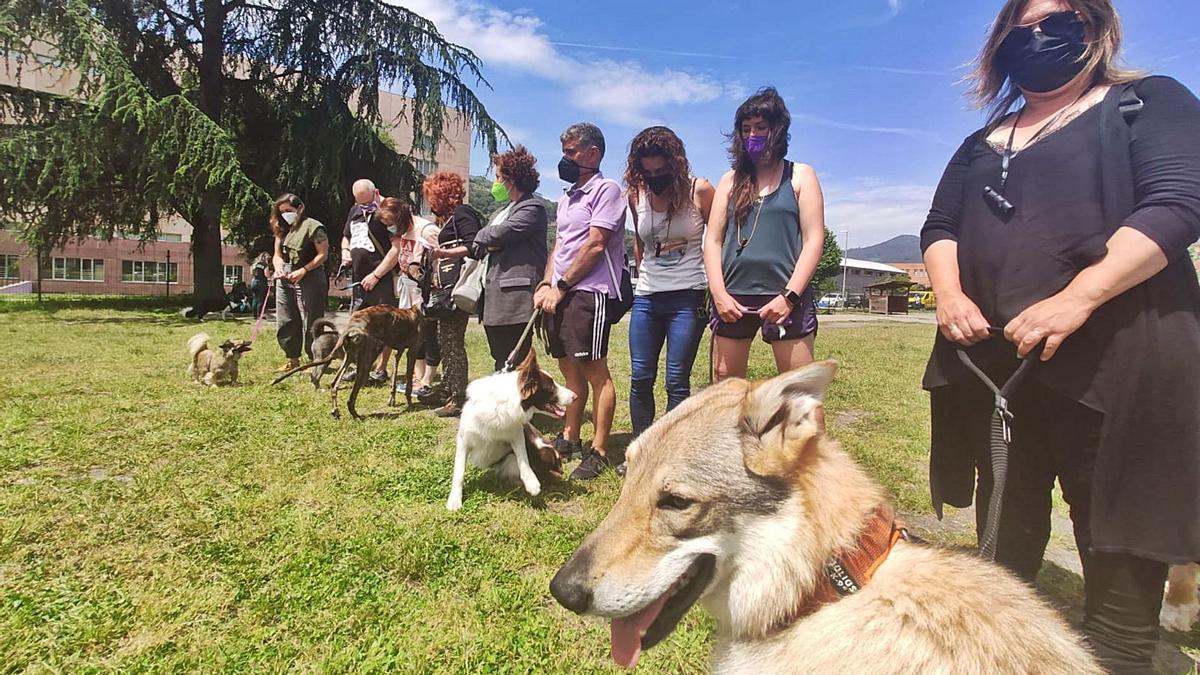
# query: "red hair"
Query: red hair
444,192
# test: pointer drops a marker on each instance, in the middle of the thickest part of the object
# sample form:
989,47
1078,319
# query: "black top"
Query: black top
1137,359
369,241
460,230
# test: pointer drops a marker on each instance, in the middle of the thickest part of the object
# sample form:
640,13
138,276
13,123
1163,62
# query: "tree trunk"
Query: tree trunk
207,272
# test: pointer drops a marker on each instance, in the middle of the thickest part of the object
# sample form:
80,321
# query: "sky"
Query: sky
873,86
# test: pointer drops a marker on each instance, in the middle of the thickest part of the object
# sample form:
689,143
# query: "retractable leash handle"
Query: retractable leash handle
1000,438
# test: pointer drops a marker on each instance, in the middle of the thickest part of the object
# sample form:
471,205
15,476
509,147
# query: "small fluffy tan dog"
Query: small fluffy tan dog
1181,605
738,500
215,368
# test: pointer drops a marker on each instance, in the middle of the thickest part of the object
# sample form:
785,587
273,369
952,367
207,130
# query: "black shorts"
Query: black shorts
579,327
801,323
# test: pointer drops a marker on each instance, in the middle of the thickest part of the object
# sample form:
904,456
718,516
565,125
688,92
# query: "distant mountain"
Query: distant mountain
903,249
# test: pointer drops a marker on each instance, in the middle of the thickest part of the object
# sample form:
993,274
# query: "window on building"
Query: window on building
425,144
9,267
77,269
169,236
426,167
233,274
149,272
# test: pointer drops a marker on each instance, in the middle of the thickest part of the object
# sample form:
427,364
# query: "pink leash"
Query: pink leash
261,314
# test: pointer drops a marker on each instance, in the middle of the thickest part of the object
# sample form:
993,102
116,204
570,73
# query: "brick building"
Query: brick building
126,266
915,271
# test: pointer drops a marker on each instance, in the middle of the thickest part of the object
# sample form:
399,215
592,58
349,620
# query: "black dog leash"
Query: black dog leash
1000,439
510,363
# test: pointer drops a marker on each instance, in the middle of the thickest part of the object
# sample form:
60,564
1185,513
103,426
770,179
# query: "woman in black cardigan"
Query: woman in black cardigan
1080,245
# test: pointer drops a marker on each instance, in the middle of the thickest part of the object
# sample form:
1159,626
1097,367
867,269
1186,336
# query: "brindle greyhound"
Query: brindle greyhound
361,343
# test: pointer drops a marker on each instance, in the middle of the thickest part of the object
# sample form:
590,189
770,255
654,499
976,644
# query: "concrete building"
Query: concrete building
127,266
862,273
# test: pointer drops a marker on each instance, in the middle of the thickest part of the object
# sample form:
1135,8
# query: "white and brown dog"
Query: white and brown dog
494,430
218,367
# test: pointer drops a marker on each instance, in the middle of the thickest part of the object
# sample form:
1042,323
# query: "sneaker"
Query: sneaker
401,387
378,377
349,375
591,467
621,469
288,365
568,449
451,409
424,391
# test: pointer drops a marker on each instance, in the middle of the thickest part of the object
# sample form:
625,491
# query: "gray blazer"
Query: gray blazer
516,266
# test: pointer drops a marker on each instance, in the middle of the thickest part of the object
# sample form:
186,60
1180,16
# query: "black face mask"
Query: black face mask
569,170
658,184
1048,60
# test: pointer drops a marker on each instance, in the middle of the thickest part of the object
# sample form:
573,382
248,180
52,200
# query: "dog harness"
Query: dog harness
847,571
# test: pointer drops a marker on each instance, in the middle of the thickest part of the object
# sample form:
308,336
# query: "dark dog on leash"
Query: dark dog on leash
369,331
324,340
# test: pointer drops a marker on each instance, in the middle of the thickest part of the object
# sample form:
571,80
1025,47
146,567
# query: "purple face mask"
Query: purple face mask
756,147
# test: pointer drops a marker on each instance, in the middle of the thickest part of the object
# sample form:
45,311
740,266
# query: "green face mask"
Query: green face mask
499,192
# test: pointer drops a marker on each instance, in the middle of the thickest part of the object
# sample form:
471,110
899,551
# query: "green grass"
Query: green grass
147,523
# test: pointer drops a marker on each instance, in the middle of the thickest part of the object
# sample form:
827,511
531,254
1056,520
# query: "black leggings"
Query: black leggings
1054,436
431,351
503,339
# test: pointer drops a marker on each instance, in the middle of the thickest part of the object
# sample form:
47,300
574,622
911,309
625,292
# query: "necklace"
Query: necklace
743,243
997,197
658,244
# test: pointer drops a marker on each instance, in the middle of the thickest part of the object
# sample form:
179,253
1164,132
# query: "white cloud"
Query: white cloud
628,93
895,6
873,210
871,129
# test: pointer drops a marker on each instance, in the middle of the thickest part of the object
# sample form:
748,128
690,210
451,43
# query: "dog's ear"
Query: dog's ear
786,418
529,376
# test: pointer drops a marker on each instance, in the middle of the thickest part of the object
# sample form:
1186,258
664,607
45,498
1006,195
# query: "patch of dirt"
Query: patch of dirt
848,419
99,473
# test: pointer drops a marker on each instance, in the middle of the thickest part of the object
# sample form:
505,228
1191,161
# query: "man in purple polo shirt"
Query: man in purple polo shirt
583,272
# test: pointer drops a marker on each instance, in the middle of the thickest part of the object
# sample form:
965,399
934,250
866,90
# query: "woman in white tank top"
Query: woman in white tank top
670,209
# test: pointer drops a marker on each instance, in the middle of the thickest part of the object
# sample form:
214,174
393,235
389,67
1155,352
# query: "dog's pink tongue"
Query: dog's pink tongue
627,633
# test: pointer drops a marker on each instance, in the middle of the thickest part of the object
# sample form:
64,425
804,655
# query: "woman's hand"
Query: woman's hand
775,311
960,320
1053,320
728,309
368,282
297,275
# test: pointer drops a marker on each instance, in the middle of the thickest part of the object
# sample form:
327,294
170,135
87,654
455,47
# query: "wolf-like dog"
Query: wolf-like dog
737,499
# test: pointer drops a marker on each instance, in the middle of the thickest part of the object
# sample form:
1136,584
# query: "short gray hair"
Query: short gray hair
584,132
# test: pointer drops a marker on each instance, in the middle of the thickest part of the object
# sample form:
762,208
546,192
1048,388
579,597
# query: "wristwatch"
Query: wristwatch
792,297
562,285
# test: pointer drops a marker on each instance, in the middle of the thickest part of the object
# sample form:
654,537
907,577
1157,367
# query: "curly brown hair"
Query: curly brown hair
660,142
444,192
279,226
519,168
395,212
767,104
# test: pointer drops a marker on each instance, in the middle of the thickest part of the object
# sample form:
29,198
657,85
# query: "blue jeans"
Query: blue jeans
674,317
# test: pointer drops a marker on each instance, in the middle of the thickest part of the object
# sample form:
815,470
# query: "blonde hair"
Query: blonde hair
991,88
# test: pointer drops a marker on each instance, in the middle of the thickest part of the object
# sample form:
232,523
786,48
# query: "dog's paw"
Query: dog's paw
453,503
534,489
1178,618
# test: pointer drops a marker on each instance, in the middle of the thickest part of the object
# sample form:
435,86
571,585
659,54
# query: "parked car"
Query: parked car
922,300
856,302
831,301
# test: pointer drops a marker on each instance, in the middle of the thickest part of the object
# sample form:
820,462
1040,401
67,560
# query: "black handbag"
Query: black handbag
616,308
439,296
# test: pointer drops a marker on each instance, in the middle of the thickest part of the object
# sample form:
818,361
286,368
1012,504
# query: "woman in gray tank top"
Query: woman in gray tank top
765,235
